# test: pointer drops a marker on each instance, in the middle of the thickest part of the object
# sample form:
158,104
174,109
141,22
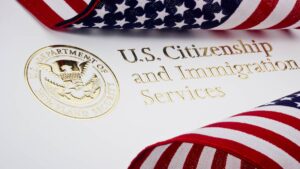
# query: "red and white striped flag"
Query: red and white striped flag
167,14
267,137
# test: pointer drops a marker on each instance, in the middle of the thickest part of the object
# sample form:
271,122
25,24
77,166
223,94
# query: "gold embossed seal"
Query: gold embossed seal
72,81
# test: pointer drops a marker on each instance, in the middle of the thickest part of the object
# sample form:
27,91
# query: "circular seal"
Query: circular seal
72,81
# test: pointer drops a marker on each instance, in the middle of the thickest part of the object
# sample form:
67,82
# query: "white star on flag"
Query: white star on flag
219,16
99,25
181,9
101,12
180,24
286,98
200,4
80,25
162,14
271,103
141,19
121,22
298,104
160,26
142,3
200,20
121,7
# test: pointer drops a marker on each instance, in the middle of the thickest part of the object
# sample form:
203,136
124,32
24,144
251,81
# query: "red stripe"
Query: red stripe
78,5
167,156
264,9
140,159
291,19
275,139
42,12
193,157
219,161
246,165
283,118
236,149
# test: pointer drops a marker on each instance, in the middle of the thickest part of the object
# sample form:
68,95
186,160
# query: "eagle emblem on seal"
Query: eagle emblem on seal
75,80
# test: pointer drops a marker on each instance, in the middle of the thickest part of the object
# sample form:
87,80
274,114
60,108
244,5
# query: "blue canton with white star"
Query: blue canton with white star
292,100
159,14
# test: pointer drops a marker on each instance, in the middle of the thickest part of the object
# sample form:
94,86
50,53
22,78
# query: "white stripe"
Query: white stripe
278,155
290,111
232,162
61,8
277,127
87,1
178,160
152,159
206,158
243,12
281,11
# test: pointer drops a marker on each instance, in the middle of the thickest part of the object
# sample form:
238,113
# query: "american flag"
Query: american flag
267,137
167,14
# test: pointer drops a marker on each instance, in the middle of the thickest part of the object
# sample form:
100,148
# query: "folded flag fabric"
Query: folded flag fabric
167,14
267,137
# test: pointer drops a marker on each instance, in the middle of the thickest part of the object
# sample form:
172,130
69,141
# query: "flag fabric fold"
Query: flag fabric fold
267,137
167,14
59,14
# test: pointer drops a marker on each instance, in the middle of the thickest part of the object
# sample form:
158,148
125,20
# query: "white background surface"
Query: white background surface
34,137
